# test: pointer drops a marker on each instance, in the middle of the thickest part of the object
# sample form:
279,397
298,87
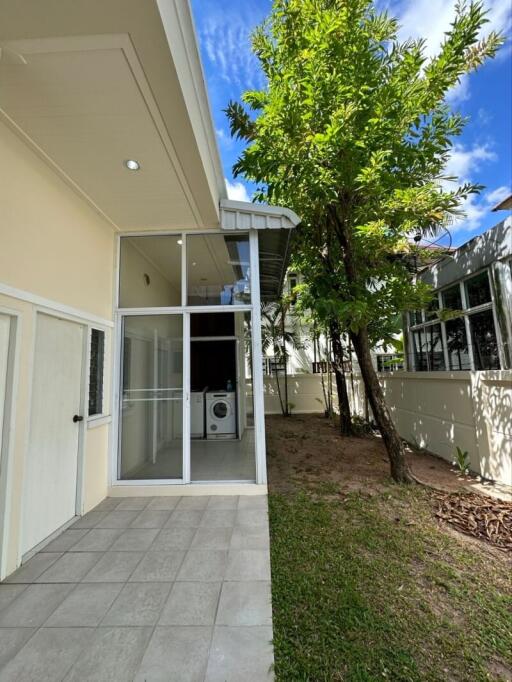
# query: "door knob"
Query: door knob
78,418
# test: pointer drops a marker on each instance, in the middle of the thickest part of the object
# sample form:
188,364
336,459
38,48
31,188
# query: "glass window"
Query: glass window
415,317
431,311
218,270
452,299
434,347
150,271
96,372
484,341
478,290
457,344
420,357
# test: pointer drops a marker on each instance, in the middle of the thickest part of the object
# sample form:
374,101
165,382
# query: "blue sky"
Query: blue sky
482,154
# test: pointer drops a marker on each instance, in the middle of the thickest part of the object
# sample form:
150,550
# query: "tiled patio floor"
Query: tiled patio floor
166,588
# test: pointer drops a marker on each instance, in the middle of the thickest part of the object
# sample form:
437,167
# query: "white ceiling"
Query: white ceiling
84,109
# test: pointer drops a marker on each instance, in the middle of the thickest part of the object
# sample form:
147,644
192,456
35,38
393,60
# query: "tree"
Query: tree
353,133
277,335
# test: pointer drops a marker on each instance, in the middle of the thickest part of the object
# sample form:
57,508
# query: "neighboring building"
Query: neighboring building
474,283
130,286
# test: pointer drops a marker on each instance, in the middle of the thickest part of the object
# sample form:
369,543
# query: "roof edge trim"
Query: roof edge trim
244,215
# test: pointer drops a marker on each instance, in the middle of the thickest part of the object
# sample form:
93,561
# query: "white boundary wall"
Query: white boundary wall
436,410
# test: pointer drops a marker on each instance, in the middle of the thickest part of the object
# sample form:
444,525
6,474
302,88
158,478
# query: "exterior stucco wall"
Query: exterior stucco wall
435,410
56,252
53,244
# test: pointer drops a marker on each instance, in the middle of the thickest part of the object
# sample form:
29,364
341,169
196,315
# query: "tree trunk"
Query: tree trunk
285,360
341,381
395,448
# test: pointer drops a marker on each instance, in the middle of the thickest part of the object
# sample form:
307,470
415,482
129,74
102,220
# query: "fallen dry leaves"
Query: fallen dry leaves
482,517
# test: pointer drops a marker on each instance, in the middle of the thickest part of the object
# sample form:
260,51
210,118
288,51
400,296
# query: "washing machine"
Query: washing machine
220,414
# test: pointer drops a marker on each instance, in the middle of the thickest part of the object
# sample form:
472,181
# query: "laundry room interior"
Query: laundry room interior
221,407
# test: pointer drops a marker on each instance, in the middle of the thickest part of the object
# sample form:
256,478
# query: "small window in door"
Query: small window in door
96,372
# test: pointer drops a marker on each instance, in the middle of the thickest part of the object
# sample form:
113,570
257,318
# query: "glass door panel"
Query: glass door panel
222,446
151,422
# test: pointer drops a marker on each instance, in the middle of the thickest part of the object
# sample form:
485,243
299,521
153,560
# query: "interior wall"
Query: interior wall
133,288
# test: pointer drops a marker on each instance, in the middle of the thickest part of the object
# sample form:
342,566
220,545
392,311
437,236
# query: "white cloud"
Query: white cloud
497,195
227,42
237,191
464,164
224,139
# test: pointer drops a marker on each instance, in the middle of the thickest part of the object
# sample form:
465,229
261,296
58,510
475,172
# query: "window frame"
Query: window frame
466,313
94,416
184,306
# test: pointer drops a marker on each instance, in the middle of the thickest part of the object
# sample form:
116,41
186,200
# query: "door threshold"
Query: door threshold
173,490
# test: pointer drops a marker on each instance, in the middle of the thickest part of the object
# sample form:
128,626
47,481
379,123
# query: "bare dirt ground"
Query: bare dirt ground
308,447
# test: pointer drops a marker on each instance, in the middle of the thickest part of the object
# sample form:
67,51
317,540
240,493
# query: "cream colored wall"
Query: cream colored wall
437,410
53,244
133,291
55,247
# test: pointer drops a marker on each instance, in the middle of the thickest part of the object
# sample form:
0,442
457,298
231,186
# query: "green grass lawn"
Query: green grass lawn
372,588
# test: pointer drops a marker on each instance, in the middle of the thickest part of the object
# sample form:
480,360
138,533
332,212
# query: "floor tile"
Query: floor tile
138,604
34,605
185,518
151,518
248,564
253,502
89,520
108,504
252,517
191,604
117,519
135,540
245,604
212,538
85,606
114,567
70,568
9,592
48,655
203,565
65,540
223,502
133,503
164,503
240,654
173,538
182,650
218,518
97,540
114,654
193,502
34,567
11,641
250,537
158,567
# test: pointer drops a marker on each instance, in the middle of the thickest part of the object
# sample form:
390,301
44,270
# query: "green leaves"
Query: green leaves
353,133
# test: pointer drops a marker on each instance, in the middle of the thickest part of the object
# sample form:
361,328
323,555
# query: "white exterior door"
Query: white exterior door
52,460
5,327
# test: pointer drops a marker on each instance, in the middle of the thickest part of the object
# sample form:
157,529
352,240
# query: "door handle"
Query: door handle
78,418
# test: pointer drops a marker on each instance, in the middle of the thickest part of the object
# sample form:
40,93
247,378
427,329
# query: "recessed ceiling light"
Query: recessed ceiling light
180,242
131,164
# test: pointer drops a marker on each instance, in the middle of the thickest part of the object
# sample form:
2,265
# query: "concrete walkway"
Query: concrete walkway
166,588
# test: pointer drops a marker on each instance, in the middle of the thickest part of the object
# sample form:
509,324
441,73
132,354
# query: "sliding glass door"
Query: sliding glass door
151,434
